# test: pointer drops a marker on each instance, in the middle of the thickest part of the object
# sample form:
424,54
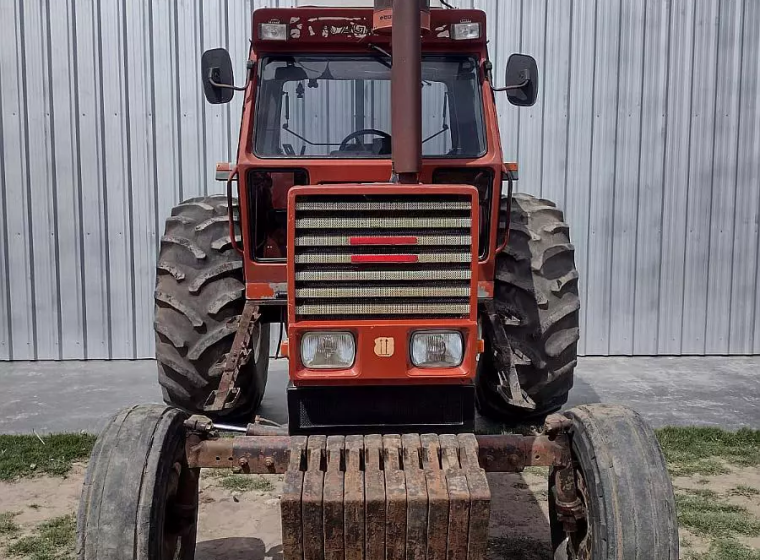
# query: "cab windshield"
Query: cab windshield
340,107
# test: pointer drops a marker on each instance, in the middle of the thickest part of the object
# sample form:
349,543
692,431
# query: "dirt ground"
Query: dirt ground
236,524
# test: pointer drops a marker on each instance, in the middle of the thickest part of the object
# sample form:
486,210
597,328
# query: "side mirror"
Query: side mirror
522,80
218,77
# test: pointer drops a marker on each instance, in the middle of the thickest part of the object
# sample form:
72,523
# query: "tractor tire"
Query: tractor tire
200,295
536,297
624,485
139,499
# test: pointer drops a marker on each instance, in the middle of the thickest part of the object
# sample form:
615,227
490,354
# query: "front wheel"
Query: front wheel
139,499
536,297
623,484
200,296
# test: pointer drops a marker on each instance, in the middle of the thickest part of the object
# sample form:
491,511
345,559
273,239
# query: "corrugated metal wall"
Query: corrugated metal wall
647,132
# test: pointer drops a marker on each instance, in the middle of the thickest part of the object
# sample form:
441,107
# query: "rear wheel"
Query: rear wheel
536,297
623,483
139,499
200,295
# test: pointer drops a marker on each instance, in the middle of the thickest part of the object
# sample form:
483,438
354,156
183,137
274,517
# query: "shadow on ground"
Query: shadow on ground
519,528
237,548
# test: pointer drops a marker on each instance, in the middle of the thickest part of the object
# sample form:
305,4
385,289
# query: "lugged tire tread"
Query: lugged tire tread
194,314
189,313
213,273
212,337
186,243
536,283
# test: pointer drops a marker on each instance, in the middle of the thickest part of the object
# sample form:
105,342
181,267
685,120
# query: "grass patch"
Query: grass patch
726,549
707,516
744,490
52,540
701,450
246,483
25,456
7,524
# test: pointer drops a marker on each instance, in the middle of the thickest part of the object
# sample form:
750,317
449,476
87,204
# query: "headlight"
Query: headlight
465,31
328,350
273,31
437,349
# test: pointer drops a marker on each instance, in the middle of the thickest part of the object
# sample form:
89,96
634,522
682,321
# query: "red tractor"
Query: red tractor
371,212
390,239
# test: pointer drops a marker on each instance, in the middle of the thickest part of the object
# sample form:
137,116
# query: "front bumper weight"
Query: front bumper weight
385,497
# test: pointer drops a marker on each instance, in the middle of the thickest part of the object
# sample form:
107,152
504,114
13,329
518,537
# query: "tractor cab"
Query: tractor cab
370,179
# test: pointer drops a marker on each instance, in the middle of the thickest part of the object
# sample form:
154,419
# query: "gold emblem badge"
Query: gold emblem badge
384,347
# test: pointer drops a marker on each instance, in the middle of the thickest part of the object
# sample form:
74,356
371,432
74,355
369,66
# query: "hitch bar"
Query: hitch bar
270,454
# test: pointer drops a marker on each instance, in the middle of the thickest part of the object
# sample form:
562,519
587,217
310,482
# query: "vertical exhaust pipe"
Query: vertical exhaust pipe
406,84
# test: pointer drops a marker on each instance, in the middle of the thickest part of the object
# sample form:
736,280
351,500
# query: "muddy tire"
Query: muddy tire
200,295
623,482
139,499
536,297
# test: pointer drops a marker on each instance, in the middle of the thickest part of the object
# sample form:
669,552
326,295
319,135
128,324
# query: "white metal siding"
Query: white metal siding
647,132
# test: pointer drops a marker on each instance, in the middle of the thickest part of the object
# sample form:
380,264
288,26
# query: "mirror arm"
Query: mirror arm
227,86
214,83
510,88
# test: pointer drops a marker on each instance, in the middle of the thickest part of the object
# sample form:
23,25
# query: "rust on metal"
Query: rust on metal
391,497
496,453
438,497
406,92
459,498
555,424
395,499
374,495
416,498
480,497
509,387
512,453
353,499
290,503
227,394
567,498
311,499
332,516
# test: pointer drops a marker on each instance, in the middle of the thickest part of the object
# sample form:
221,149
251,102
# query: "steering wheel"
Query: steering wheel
359,134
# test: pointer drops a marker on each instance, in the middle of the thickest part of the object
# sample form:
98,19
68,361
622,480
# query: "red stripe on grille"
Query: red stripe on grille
373,259
383,241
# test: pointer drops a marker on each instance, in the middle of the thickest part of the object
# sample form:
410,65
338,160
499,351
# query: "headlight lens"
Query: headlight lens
465,31
437,349
273,31
328,350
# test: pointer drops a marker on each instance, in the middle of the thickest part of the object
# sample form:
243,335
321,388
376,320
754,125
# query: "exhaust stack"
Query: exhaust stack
406,19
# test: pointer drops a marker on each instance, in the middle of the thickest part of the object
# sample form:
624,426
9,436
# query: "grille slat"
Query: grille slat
336,258
379,222
376,275
309,240
339,206
404,308
349,250
383,292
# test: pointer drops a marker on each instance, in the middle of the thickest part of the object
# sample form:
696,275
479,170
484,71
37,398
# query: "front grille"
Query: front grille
382,256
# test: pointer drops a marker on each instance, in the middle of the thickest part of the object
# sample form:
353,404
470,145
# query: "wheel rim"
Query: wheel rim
180,518
579,543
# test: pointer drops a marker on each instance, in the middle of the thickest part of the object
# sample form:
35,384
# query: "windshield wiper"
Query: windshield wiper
309,142
387,63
